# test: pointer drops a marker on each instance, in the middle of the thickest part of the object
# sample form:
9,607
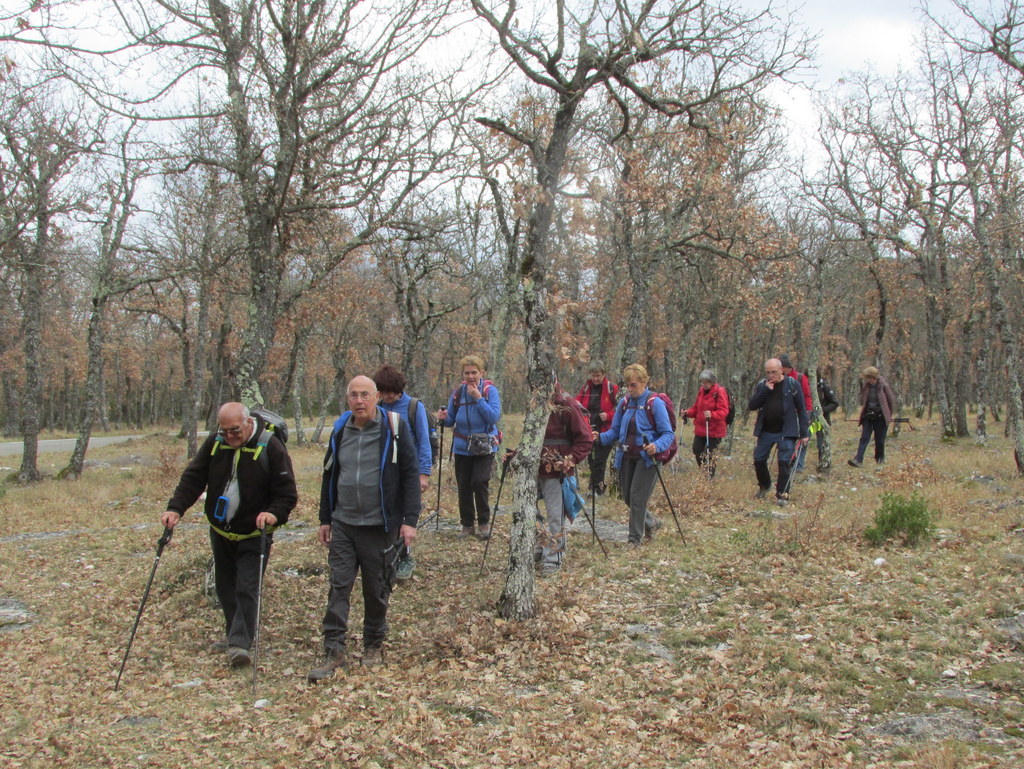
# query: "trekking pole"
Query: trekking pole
497,502
707,445
440,459
590,520
593,504
436,515
259,608
657,467
792,464
160,545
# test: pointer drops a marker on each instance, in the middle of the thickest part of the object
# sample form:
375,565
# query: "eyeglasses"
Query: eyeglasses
234,432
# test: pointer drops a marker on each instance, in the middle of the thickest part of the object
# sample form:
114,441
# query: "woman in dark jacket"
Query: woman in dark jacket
877,404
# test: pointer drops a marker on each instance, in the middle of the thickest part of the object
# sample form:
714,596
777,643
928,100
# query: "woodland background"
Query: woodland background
260,200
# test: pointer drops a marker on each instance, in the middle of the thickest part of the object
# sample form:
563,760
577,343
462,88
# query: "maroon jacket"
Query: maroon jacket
567,433
609,397
715,400
886,400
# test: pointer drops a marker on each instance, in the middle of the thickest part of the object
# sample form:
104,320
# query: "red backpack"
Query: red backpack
662,456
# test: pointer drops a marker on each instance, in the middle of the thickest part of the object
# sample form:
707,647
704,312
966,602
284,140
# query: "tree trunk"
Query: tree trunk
32,298
93,377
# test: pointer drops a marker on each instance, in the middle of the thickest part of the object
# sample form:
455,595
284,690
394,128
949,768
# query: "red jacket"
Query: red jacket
567,433
805,385
609,397
715,400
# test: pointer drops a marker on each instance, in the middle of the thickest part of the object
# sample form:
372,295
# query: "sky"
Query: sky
853,36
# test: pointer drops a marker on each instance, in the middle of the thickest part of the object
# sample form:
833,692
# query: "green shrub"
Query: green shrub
901,517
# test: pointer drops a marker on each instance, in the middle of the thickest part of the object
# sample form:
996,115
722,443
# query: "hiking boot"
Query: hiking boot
853,462
467,531
782,500
333,660
602,487
219,647
652,529
483,531
372,656
404,571
238,657
549,569
761,493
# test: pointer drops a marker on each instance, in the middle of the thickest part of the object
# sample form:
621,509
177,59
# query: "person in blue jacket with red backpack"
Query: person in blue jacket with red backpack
473,410
643,428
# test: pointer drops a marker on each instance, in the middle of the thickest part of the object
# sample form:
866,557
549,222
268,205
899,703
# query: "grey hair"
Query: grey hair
708,375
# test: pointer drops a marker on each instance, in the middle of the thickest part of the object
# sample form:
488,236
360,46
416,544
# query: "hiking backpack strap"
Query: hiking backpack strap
394,421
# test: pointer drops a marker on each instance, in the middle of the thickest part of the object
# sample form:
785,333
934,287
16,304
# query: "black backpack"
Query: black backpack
274,424
730,417
435,441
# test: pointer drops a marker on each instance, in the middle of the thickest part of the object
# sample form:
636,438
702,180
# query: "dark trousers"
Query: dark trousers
598,461
236,565
877,427
704,452
370,551
473,477
762,452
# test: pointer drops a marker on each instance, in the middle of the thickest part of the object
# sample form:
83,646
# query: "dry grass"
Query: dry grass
757,643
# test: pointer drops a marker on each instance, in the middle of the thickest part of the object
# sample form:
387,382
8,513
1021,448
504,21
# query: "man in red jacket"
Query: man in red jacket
598,397
805,387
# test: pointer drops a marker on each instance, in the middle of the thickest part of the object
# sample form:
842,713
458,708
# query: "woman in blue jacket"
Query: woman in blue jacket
639,440
474,409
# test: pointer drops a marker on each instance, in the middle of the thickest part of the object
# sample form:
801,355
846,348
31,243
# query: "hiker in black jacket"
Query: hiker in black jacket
247,475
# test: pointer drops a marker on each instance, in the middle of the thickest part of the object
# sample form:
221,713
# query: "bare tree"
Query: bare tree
570,52
994,172
326,125
40,144
111,275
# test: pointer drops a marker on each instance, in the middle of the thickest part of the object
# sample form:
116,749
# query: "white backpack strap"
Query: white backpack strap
395,422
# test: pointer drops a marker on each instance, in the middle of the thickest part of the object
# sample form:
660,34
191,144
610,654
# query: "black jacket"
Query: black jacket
266,485
794,412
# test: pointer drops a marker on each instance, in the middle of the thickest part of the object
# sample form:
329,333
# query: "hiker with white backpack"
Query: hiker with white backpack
369,506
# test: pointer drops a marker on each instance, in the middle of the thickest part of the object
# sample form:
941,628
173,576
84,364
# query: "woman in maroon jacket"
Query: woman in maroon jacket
877,404
598,397
567,440
708,413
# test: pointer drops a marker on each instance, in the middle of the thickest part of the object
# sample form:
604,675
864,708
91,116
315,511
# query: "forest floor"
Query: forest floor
767,638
